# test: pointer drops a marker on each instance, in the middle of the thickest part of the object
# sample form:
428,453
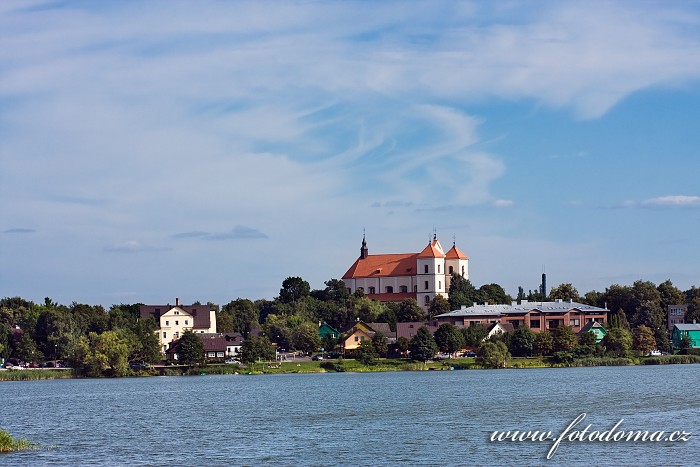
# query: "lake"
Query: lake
412,418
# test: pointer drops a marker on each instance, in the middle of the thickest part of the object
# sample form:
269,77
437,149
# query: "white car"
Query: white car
653,353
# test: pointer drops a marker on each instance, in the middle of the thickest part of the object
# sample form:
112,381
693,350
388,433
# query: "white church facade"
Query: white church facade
396,277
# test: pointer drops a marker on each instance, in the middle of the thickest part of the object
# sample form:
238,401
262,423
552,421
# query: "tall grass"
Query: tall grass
9,444
672,359
36,374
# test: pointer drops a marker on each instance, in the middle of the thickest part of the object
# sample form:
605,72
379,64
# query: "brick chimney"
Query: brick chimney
177,301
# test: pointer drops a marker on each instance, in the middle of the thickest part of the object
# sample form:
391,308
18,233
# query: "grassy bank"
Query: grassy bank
35,374
9,444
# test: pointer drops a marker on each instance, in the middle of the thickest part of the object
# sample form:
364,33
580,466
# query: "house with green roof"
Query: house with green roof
691,331
326,330
596,328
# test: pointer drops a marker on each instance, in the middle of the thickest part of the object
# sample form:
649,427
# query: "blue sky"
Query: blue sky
208,150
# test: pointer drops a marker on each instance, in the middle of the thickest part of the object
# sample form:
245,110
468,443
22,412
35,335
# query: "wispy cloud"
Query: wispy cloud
19,230
238,232
133,246
673,200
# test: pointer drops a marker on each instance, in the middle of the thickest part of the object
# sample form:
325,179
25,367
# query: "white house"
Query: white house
175,320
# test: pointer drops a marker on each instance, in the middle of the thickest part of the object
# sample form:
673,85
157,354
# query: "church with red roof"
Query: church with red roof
396,277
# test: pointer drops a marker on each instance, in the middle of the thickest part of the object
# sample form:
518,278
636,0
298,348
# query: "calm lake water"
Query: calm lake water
413,418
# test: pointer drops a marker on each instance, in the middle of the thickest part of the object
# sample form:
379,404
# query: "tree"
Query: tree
423,346
380,343
255,348
544,343
565,339
670,295
462,292
564,292
646,303
26,349
493,294
438,306
522,343
366,353
244,316
493,354
190,349
449,338
587,343
617,342
293,289
643,339
409,311
305,338
403,344
474,334
693,300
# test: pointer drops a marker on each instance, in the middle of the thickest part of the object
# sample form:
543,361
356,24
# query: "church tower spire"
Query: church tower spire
364,252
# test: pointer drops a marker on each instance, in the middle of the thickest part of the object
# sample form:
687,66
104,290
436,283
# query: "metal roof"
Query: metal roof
522,308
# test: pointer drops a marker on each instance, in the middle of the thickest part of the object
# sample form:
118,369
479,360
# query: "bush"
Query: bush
9,444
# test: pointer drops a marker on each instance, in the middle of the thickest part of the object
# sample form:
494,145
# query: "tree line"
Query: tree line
95,339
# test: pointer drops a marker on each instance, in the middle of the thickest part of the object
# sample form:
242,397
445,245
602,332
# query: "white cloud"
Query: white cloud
503,203
673,200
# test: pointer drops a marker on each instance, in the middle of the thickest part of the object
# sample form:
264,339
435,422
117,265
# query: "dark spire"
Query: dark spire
364,252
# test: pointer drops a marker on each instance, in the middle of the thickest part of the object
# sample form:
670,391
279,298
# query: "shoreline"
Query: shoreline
351,366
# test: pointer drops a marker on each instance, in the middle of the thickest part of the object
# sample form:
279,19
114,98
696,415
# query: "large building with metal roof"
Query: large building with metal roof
537,316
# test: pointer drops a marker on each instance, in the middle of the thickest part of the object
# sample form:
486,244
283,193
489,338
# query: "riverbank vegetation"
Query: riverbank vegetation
9,444
95,341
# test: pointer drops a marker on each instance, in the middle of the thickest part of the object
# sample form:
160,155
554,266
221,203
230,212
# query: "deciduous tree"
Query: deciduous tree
190,349
423,346
493,354
449,338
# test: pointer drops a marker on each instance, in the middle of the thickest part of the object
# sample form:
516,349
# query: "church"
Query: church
396,277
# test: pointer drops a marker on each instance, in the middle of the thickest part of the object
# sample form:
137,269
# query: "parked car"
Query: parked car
232,361
469,354
139,365
317,357
333,355
654,353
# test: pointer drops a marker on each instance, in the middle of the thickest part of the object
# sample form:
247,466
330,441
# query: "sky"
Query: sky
208,150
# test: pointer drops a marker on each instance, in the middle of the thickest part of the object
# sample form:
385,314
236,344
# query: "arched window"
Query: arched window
389,289
451,270
426,285
403,289
462,271
425,269
439,285
427,300
438,269
372,290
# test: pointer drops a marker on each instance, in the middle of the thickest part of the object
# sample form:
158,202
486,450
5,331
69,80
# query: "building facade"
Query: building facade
538,316
396,277
676,315
173,321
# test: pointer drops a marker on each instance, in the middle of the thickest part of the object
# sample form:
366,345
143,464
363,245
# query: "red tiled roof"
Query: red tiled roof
455,253
433,250
383,266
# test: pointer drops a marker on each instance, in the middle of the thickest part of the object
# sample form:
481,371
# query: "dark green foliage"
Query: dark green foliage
366,353
449,338
544,343
493,294
565,339
409,311
474,334
617,342
190,350
564,292
293,289
241,315
643,339
380,343
403,344
423,346
671,359
438,306
493,354
693,300
257,348
462,292
305,338
522,344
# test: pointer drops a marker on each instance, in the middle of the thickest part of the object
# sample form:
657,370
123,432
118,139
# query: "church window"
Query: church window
462,271
426,285
427,300
389,289
372,290
403,289
438,269
452,269
439,285
425,269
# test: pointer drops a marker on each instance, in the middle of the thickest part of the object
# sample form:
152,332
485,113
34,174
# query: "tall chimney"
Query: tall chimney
544,285
177,301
